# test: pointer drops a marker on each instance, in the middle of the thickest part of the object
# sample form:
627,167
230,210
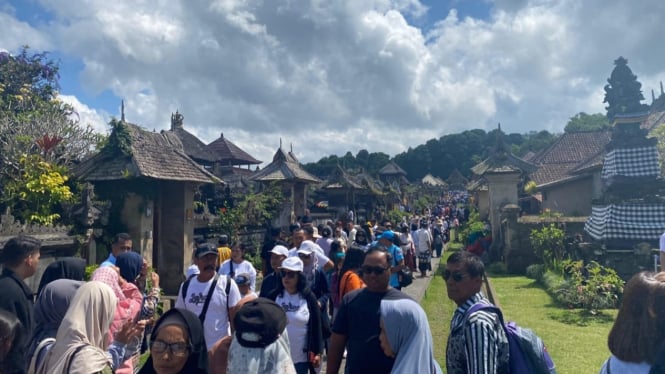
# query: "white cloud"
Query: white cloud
97,119
16,34
332,76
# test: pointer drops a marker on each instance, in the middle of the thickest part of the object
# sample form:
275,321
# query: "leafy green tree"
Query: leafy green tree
34,122
27,81
587,122
249,209
623,92
536,141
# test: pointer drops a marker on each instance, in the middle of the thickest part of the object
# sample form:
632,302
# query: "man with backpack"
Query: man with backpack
477,343
209,295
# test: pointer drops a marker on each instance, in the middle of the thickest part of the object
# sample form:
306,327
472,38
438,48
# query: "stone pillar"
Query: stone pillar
483,204
502,191
299,198
137,216
175,233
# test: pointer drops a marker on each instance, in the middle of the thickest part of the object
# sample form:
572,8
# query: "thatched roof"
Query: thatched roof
456,177
340,179
433,181
136,153
228,153
391,168
193,147
284,167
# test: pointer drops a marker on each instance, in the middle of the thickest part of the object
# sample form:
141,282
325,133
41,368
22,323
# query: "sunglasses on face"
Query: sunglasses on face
304,256
288,274
175,349
376,270
457,277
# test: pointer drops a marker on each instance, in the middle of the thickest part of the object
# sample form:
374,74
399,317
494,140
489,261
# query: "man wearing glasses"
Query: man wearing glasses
357,323
121,243
477,343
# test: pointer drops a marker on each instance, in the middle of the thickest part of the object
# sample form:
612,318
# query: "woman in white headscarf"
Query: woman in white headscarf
81,341
405,335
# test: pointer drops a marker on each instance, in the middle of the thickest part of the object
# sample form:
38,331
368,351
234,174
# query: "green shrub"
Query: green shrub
474,224
89,270
535,271
549,246
590,286
552,281
497,268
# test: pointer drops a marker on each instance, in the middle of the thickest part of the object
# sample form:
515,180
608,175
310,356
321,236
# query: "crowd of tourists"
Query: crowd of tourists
330,296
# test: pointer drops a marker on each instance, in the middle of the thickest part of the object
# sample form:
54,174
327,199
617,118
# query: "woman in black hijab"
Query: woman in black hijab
177,344
65,268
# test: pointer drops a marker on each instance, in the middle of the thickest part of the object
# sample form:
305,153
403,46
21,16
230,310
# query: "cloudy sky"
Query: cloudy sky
342,75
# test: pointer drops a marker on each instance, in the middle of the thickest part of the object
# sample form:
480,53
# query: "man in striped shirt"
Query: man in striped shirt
477,343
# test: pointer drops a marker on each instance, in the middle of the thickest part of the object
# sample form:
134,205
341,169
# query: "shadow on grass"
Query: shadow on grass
580,317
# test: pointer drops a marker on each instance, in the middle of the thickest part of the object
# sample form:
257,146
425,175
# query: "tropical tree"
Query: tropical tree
39,134
587,122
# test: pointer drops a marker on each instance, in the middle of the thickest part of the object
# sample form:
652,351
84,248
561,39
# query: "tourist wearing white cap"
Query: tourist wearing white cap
323,262
303,314
278,254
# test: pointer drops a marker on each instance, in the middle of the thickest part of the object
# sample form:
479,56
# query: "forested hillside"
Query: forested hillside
437,156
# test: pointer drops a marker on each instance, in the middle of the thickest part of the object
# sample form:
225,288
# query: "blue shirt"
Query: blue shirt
397,257
108,262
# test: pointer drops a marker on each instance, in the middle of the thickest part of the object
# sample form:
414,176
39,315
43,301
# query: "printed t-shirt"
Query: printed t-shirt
216,324
297,314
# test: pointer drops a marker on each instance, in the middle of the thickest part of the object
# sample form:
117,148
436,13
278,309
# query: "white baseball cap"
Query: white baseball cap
280,250
306,247
292,263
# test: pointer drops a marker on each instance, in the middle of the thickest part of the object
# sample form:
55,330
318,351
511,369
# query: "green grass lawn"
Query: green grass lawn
577,341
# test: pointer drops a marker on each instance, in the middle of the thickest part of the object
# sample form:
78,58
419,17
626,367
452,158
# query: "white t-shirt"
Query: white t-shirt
297,314
352,235
216,324
243,267
422,239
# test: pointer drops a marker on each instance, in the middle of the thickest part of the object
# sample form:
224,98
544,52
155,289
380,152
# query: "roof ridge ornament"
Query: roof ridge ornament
176,120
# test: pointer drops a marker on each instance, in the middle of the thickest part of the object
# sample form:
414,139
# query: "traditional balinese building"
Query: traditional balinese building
392,174
287,171
568,174
341,190
480,197
433,181
504,173
456,181
193,146
233,164
150,181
